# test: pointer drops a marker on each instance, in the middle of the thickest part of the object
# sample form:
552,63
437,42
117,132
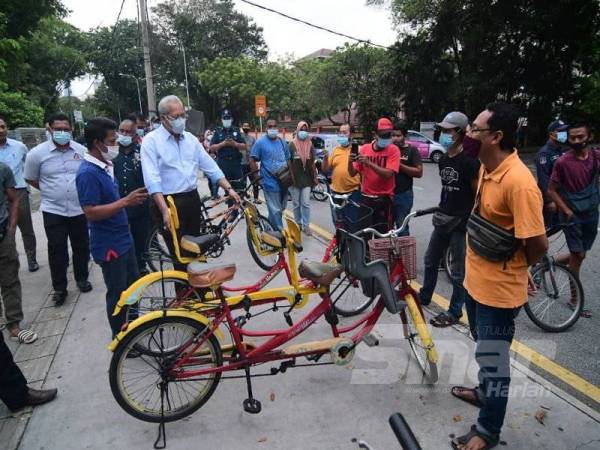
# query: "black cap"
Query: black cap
226,114
557,125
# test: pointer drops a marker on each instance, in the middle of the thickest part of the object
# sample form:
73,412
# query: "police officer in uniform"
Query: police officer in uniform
228,144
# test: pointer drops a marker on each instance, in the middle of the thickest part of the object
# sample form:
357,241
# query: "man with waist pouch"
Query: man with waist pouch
458,173
171,158
496,284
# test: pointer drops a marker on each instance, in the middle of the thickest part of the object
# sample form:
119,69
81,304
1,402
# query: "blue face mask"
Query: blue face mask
562,136
383,143
61,137
343,141
124,140
227,123
446,140
272,132
140,132
302,135
178,125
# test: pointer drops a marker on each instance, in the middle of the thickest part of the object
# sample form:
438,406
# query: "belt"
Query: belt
185,194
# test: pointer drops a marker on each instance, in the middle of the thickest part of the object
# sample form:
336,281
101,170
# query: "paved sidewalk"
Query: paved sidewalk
305,408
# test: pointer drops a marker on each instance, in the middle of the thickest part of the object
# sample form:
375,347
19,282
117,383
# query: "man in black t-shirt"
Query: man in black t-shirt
459,175
410,167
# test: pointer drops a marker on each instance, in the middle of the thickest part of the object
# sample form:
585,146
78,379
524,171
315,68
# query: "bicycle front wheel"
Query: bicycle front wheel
555,297
419,339
144,387
318,191
267,261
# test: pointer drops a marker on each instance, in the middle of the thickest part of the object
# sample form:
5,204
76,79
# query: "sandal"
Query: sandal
24,337
490,441
457,390
443,320
585,313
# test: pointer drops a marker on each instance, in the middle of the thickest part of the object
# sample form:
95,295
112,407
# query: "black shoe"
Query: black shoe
36,397
84,286
33,265
59,297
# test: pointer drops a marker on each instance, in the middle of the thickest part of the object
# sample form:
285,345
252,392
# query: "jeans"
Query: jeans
13,385
493,330
10,287
276,202
438,244
403,203
60,230
301,202
118,275
26,225
140,229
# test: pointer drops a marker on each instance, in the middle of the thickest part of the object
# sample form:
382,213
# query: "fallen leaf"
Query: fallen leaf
457,418
540,416
272,396
262,439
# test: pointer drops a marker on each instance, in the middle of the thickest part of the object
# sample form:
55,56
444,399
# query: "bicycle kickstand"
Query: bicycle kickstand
251,405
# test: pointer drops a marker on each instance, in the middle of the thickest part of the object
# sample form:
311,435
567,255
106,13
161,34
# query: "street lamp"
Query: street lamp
137,83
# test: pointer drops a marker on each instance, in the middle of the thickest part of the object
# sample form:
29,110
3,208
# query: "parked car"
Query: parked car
428,148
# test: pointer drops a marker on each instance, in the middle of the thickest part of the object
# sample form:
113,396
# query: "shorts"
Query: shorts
581,235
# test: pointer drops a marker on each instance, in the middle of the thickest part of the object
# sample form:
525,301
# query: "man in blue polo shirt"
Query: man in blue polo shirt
110,240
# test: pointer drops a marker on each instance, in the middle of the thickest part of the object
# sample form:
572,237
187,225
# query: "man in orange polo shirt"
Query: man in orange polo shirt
509,198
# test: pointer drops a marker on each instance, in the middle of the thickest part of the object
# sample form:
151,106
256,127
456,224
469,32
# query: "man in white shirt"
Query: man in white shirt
51,167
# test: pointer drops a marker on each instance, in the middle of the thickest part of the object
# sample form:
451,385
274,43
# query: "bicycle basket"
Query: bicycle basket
390,250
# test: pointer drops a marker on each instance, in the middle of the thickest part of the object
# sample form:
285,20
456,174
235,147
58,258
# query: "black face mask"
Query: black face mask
246,130
578,146
471,147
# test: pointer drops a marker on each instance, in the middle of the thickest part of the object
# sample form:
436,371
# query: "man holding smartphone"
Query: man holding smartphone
228,143
378,162
110,239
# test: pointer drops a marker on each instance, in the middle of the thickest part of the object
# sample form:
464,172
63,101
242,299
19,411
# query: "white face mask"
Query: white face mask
112,151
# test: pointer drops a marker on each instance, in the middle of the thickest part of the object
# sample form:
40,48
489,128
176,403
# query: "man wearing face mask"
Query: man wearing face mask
341,180
458,173
228,144
128,174
378,163
141,126
111,242
544,163
250,141
171,159
51,167
574,188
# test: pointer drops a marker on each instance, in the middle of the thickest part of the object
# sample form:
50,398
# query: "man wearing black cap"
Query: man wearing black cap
544,163
228,144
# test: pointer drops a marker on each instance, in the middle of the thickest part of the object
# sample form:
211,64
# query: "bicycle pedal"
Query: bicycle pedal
288,318
252,406
370,340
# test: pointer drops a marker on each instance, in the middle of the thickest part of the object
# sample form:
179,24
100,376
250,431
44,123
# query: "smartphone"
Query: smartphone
354,150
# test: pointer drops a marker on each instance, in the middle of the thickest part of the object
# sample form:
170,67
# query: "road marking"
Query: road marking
565,375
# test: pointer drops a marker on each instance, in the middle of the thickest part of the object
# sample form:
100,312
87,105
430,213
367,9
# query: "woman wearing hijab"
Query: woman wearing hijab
304,175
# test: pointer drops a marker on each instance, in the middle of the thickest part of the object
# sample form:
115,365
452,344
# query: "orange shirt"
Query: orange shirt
510,199
341,181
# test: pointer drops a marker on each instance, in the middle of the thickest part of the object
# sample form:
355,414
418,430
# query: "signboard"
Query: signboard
78,115
195,123
260,105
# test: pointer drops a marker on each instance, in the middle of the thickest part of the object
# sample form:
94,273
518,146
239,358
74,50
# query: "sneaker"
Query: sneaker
33,265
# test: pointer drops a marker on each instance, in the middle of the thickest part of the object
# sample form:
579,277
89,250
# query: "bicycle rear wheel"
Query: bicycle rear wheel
265,262
557,298
318,191
419,339
157,251
143,386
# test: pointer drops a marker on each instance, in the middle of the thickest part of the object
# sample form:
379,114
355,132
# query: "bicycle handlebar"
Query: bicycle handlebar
345,198
395,232
403,432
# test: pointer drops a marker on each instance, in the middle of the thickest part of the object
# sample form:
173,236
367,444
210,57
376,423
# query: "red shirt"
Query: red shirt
388,158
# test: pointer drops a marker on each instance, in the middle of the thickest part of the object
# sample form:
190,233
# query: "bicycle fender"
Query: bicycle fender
131,295
156,315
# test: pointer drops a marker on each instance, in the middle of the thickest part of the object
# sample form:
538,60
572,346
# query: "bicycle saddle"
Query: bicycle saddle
373,275
273,238
319,273
201,275
199,244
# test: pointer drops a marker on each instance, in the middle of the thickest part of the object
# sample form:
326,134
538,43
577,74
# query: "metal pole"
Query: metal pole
137,83
187,87
260,121
147,64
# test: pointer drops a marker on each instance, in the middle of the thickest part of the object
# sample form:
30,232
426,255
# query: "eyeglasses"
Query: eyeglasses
473,129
